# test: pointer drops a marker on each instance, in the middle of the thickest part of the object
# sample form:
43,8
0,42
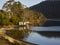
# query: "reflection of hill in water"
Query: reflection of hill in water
50,33
52,23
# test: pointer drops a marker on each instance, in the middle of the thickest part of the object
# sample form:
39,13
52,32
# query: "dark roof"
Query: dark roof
50,9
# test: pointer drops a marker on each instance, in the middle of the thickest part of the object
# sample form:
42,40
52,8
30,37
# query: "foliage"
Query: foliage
14,20
13,12
35,18
16,34
4,18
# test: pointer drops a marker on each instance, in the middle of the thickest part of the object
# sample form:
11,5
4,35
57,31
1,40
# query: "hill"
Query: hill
50,9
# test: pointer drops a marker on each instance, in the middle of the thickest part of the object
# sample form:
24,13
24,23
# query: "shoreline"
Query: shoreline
3,31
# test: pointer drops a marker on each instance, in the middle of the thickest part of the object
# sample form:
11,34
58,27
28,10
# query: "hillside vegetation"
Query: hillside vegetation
14,12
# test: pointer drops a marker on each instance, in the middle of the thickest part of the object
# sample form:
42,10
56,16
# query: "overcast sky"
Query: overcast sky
28,3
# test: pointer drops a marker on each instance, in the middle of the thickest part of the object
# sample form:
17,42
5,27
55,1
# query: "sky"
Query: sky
27,3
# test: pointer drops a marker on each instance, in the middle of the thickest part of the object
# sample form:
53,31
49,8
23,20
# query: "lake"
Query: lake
46,28
44,35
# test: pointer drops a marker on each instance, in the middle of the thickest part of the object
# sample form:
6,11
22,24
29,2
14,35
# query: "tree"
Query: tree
4,18
14,20
14,8
8,5
35,18
17,9
18,13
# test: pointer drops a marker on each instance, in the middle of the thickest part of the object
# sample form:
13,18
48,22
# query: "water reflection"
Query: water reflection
44,38
49,28
39,37
17,34
55,34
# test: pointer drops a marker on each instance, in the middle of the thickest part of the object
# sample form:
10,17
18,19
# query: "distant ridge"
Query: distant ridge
50,9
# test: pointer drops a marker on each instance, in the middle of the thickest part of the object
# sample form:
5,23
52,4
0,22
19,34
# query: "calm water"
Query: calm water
44,37
49,28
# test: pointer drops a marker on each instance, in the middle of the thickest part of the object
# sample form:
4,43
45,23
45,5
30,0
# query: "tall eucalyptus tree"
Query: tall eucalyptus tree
14,8
7,6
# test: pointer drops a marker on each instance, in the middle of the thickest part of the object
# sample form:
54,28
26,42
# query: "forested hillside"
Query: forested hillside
14,12
50,9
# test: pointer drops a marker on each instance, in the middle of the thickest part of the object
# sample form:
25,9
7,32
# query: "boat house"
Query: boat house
23,25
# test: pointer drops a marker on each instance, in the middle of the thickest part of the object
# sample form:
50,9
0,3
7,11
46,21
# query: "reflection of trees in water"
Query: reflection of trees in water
17,34
25,33
50,33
